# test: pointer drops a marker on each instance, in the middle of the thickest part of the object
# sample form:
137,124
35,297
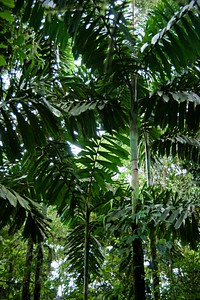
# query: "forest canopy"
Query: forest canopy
99,149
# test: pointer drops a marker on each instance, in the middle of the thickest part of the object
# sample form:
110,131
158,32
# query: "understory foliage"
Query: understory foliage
69,71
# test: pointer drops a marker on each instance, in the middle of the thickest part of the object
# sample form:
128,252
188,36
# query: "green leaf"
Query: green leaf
22,202
6,15
192,36
22,55
2,61
174,215
181,219
195,21
27,12
75,22
116,149
8,195
10,139
178,50
100,179
35,126
115,215
155,38
36,15
26,131
108,165
20,40
53,109
122,138
80,108
165,213
8,3
164,60
182,114
49,120
171,54
85,160
112,158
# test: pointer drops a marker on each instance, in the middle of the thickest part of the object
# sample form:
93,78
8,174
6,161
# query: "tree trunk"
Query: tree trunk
49,261
86,252
27,271
9,281
152,235
147,158
155,270
138,264
38,272
138,256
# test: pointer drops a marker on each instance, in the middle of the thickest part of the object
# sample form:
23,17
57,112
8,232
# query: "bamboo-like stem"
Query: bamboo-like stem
155,270
138,257
27,271
134,137
147,158
152,229
86,252
137,246
38,272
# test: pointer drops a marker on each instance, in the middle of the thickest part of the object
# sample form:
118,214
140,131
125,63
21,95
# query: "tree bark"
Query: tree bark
86,252
49,261
155,270
27,271
38,272
152,235
138,256
9,280
138,264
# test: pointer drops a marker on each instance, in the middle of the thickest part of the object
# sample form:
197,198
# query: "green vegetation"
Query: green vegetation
99,149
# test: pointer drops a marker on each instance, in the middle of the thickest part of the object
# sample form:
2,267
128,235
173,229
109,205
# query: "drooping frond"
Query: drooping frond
176,43
25,120
17,210
74,250
185,147
173,214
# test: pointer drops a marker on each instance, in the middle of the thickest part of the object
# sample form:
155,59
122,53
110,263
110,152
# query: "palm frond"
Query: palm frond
181,31
183,146
173,214
18,210
75,254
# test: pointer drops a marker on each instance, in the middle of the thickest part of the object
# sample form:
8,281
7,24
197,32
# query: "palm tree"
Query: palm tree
99,97
80,193
157,65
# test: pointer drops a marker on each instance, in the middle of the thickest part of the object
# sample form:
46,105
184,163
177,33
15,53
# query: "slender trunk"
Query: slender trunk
38,272
138,256
138,264
9,280
134,140
27,271
152,235
49,261
147,159
137,246
86,253
155,270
